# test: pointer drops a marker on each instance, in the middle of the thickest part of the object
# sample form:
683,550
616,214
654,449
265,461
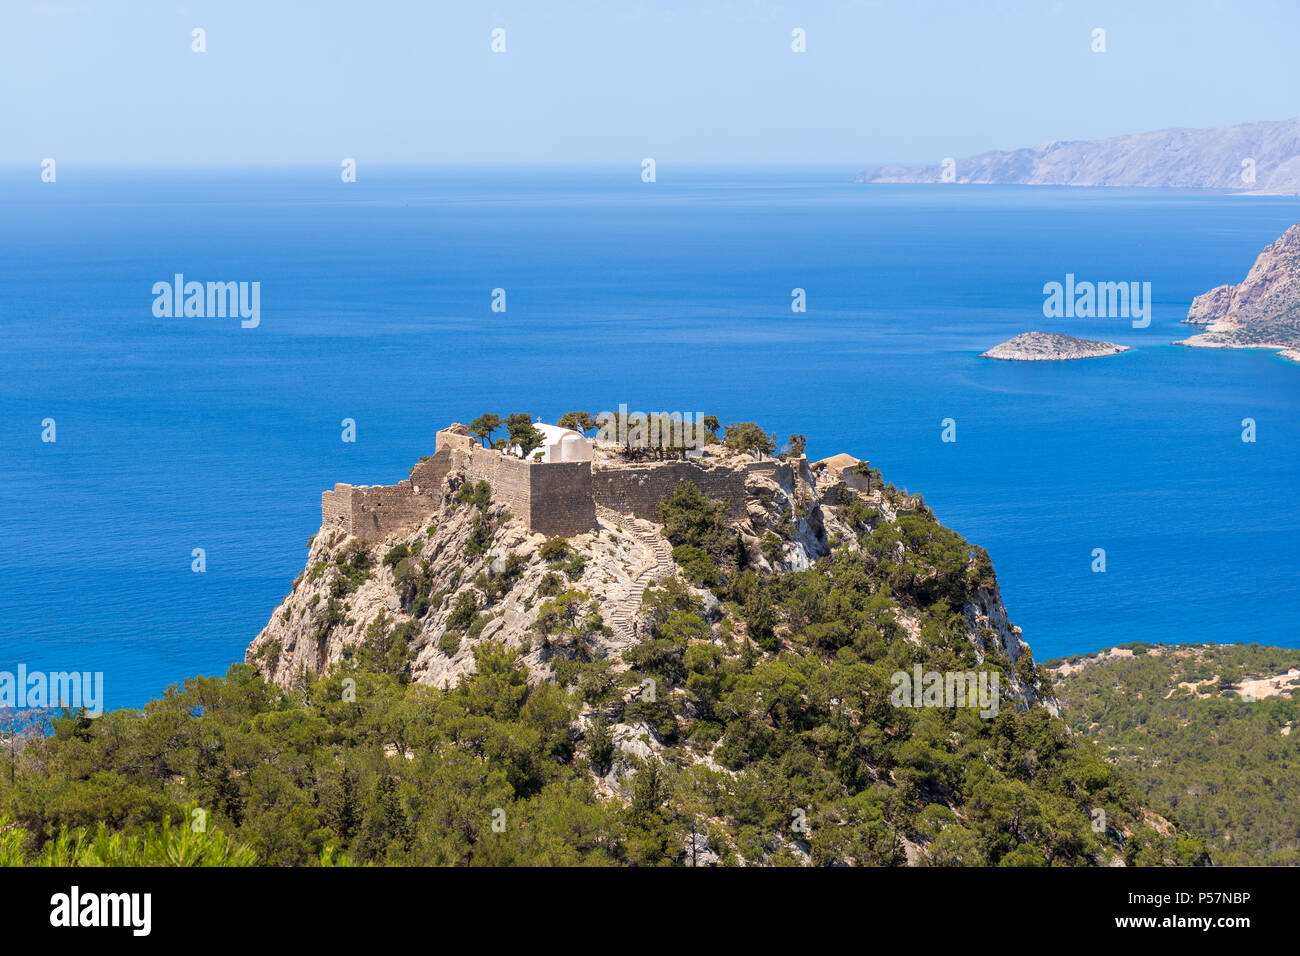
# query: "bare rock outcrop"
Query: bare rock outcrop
470,575
1050,347
1263,311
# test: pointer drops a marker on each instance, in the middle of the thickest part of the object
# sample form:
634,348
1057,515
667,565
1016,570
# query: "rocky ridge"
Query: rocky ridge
1258,158
1263,311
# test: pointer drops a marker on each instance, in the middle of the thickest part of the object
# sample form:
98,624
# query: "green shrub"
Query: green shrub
600,746
555,549
480,536
462,612
697,565
773,549
477,494
516,563
693,520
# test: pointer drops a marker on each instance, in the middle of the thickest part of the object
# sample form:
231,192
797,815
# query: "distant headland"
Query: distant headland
1257,158
1262,312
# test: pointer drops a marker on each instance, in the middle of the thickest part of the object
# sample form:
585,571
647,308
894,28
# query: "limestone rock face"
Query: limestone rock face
1251,157
1210,306
307,634
1049,347
1261,312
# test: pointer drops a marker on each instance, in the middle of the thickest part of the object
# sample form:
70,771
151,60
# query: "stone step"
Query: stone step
622,613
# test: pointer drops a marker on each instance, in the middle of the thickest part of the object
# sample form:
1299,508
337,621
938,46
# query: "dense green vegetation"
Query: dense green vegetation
402,773
1230,767
704,547
761,716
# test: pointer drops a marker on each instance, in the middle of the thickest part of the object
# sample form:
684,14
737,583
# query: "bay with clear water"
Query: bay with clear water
183,433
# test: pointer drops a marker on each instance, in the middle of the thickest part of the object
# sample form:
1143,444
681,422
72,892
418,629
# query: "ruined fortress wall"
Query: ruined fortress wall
379,510
778,471
855,481
336,508
833,492
638,489
376,511
429,473
561,500
509,477
804,485
553,498
450,438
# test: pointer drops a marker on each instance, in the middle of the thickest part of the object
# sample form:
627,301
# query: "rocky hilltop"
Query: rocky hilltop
1170,158
470,572
1263,311
1049,347
765,667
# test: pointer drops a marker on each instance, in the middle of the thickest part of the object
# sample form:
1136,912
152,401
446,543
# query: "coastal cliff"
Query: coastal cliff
1259,158
1263,311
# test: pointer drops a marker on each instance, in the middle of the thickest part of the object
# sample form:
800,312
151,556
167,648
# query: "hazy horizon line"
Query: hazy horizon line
856,164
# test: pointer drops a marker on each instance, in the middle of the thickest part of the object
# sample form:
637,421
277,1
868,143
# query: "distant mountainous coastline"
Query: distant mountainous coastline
1257,158
1262,312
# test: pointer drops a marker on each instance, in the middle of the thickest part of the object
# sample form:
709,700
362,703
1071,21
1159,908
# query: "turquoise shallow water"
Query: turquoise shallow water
183,433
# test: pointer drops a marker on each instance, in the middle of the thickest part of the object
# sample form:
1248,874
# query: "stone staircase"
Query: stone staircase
657,564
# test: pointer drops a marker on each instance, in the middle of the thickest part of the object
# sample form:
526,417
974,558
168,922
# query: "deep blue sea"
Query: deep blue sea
175,434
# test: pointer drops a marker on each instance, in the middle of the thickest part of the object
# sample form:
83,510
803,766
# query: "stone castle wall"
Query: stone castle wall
510,478
373,511
638,489
429,473
553,498
561,501
336,507
855,481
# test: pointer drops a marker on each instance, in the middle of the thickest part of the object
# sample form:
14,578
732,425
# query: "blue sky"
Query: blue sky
608,82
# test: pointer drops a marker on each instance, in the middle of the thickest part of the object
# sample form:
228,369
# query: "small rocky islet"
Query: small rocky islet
1050,347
